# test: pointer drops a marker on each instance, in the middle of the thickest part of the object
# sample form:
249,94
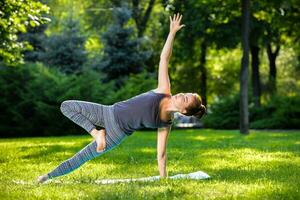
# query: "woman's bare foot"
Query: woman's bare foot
100,139
42,178
99,136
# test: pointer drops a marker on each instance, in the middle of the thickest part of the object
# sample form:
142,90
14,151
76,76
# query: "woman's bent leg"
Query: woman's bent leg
114,135
85,114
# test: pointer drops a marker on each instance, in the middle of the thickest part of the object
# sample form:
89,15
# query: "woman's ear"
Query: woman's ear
183,111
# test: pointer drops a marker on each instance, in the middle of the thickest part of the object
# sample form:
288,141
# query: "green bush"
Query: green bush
32,94
134,85
280,113
223,114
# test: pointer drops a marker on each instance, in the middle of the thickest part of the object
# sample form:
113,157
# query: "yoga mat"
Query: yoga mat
199,175
195,175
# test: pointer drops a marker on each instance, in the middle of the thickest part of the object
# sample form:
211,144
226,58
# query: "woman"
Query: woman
152,109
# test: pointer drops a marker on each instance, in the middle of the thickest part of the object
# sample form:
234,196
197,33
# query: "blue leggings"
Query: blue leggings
87,115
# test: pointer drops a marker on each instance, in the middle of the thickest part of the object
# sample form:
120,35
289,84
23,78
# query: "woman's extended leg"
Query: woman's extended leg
86,114
87,153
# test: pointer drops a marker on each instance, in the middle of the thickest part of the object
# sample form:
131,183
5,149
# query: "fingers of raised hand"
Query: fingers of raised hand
177,17
174,17
180,18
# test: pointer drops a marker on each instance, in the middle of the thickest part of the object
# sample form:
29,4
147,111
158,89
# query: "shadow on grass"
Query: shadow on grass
264,142
282,172
50,150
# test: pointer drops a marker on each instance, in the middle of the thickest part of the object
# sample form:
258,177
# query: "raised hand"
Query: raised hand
175,23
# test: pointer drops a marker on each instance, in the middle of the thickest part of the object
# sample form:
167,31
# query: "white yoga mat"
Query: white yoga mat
195,175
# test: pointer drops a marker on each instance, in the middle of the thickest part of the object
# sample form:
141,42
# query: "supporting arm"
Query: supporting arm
162,139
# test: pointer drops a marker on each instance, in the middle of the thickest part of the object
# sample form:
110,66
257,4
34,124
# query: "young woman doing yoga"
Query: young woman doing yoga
152,109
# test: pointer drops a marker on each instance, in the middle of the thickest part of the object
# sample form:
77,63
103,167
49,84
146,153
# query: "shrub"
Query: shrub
223,114
32,95
280,113
134,85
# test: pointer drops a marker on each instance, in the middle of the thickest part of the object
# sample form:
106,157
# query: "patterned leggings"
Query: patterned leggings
87,115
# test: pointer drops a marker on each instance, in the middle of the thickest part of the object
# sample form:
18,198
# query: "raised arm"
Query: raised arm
163,74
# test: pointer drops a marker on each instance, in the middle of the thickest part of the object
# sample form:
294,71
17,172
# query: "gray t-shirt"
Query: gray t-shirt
141,111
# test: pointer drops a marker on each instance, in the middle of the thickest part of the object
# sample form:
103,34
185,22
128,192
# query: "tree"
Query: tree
208,25
256,86
141,19
244,113
16,17
98,14
66,50
280,19
273,23
35,37
256,41
122,52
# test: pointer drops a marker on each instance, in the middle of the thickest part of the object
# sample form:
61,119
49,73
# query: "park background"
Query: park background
108,51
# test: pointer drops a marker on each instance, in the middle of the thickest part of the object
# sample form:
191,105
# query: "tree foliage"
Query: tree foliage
36,38
66,50
32,94
16,17
93,51
122,52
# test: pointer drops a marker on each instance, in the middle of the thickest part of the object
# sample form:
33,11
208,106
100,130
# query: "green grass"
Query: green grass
262,165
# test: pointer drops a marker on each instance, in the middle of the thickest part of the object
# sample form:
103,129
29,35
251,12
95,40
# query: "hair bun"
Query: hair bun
201,112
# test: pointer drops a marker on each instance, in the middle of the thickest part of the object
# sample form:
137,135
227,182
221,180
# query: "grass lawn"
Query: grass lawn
262,165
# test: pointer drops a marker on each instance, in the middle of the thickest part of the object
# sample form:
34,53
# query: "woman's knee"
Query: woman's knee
66,105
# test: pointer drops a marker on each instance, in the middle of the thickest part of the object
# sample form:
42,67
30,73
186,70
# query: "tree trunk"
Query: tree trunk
203,72
141,20
244,114
255,74
272,66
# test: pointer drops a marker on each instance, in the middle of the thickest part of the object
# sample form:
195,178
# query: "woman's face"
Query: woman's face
183,101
